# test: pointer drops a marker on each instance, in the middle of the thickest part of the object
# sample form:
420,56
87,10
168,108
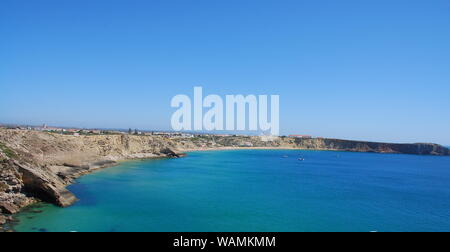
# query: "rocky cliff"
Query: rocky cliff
359,146
39,165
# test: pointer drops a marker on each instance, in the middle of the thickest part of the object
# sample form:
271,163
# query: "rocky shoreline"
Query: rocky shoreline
38,166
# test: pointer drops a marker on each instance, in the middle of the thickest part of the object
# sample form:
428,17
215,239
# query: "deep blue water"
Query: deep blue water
258,190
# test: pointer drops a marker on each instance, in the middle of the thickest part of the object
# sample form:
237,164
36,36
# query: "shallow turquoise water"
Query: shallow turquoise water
258,190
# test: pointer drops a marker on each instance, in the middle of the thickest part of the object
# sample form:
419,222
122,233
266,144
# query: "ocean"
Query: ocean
258,190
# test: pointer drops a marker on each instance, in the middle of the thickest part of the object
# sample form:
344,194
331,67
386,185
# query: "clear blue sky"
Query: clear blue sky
374,70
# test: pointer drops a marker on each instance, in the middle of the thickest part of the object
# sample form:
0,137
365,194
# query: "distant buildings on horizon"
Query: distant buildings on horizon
168,134
301,136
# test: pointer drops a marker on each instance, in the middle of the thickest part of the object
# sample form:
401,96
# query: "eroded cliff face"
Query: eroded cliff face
39,165
359,146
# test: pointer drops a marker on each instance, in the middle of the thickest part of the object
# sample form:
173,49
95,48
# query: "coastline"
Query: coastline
38,166
8,226
232,180
10,220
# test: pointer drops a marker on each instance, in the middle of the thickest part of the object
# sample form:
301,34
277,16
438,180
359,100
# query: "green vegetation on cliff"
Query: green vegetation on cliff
7,151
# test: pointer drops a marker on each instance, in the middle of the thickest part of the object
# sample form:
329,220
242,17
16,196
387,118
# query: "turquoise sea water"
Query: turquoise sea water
258,190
